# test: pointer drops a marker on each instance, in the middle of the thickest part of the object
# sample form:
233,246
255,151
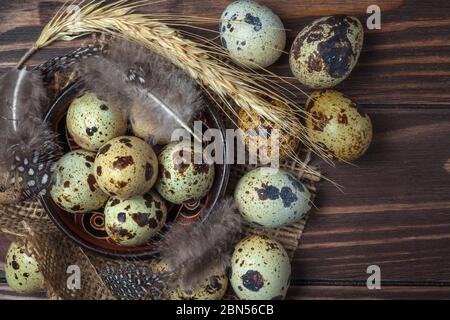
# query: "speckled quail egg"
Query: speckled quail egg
22,270
252,34
260,269
326,51
74,187
257,135
213,287
126,167
136,220
271,197
8,193
336,123
92,122
180,178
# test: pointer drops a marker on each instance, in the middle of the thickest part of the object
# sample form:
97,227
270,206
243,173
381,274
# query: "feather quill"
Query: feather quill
193,251
142,82
27,145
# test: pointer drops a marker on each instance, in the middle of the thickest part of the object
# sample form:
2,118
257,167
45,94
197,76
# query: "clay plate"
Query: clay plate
87,229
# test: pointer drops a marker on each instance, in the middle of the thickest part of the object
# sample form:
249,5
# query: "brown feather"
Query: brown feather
26,142
130,75
195,250
22,96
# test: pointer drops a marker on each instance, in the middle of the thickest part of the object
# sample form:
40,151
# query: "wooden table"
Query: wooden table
394,211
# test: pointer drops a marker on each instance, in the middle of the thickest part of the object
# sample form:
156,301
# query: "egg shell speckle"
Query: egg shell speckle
212,288
181,180
126,167
135,221
336,123
325,52
22,270
260,269
272,198
74,187
93,122
252,33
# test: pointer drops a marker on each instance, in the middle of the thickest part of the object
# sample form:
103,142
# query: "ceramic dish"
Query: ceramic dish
88,229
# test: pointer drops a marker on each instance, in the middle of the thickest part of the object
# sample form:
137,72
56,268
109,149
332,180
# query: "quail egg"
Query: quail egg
92,122
336,123
260,269
271,197
126,167
213,287
326,51
136,220
253,35
22,270
74,187
257,135
181,179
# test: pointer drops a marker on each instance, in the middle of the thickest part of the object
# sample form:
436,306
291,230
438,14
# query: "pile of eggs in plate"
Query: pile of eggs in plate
122,173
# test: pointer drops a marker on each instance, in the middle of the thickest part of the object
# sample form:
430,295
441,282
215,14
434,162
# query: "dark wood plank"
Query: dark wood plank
405,62
395,207
362,293
7,294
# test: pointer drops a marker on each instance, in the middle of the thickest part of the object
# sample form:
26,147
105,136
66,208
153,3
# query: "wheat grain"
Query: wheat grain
235,87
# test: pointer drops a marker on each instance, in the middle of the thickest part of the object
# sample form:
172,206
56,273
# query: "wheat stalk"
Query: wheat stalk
232,86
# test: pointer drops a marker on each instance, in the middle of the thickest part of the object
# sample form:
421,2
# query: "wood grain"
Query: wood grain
406,62
395,207
7,293
362,293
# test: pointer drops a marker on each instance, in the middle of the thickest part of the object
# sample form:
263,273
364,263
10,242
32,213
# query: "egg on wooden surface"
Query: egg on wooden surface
260,269
75,188
92,122
257,133
136,220
336,123
213,287
325,52
22,270
126,167
252,33
181,179
272,197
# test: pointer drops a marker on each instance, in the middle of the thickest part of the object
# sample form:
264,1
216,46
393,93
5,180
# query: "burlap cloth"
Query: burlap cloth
55,252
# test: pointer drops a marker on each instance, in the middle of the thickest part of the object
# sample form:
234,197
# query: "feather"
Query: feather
193,251
27,146
146,86
126,280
